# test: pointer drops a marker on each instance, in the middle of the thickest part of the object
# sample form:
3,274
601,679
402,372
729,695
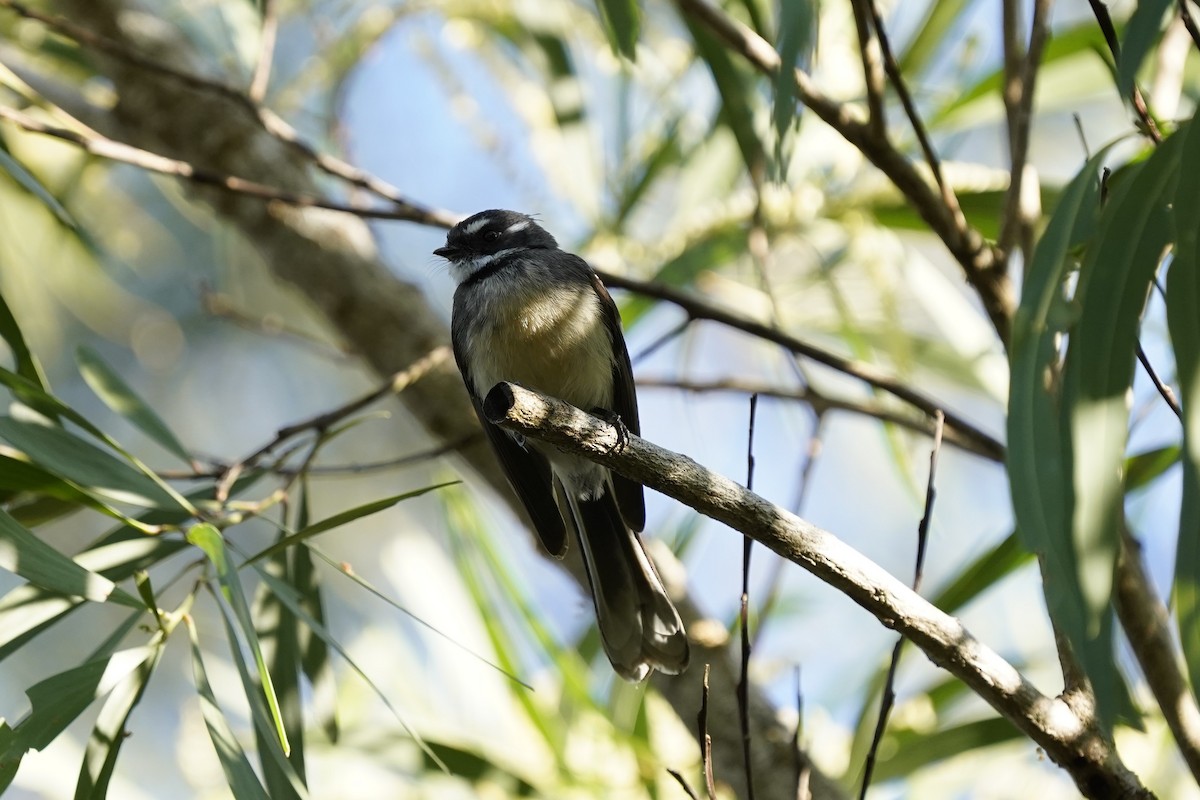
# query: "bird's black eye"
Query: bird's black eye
491,236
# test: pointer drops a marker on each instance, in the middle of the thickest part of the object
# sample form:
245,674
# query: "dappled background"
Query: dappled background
676,168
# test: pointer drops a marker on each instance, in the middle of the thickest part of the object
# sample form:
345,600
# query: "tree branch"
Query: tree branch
1076,744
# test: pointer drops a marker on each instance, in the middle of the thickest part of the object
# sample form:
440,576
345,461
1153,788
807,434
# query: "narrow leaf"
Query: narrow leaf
1141,34
27,365
621,19
209,539
117,395
1183,300
238,772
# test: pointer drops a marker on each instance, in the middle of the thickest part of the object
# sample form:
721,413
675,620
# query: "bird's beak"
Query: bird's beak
446,252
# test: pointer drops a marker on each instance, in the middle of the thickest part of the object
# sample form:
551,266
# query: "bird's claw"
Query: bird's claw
614,419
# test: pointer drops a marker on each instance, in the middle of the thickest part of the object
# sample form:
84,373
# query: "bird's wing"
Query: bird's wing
528,473
630,496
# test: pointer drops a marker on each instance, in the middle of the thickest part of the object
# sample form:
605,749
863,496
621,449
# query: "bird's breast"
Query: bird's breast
553,341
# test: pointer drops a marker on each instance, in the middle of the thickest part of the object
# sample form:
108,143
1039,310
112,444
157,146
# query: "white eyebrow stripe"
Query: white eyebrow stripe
517,226
474,227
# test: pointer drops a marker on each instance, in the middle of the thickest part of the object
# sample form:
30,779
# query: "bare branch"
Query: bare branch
1075,743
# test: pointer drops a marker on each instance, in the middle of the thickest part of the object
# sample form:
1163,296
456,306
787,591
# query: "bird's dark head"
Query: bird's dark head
482,238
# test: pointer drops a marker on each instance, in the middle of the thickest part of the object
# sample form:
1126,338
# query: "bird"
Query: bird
529,313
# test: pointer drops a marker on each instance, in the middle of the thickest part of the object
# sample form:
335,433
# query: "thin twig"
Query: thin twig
775,579
1189,22
803,767
1020,76
683,784
271,122
103,147
1104,20
266,52
1159,384
874,77
323,421
743,686
892,68
660,342
706,739
889,685
699,308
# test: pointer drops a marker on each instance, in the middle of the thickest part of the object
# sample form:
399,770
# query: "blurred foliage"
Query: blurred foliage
665,155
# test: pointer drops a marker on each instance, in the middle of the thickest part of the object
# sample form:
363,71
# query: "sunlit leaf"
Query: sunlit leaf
59,699
27,365
209,540
84,464
907,751
26,555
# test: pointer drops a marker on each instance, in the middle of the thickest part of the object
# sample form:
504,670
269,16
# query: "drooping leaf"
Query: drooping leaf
1183,300
932,33
909,751
1115,277
27,365
117,395
622,20
209,540
983,573
238,772
1141,34
109,733
34,187
1038,477
797,26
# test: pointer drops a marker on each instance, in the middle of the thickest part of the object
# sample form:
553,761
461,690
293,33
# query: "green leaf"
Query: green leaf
621,19
983,573
711,249
58,700
109,733
27,365
905,752
932,34
337,520
238,772
1141,34
797,24
1038,478
1145,467
737,87
36,397
278,633
117,395
292,601
37,562
1183,300
209,540
71,458
1117,271
30,184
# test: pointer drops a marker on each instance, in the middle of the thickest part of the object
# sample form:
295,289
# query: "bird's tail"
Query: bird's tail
639,626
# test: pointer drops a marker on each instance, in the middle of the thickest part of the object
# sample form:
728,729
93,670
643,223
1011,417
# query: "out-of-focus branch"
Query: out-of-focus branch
983,269
269,120
1074,742
1147,623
